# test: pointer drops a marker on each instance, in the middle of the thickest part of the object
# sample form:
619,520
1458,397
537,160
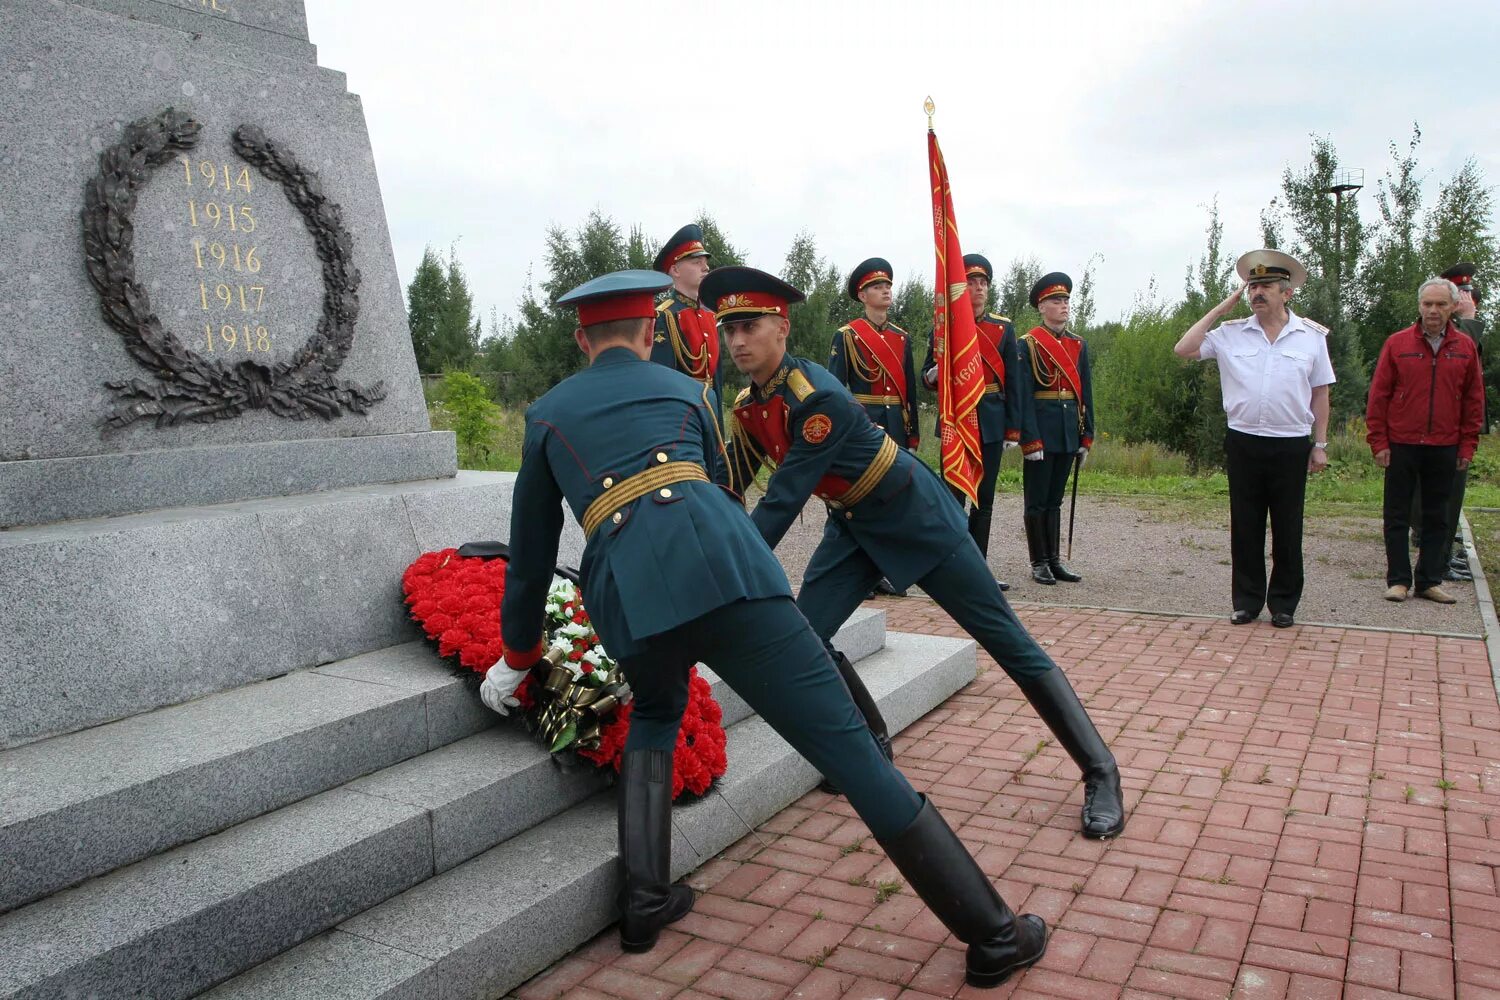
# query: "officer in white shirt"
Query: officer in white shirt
1275,374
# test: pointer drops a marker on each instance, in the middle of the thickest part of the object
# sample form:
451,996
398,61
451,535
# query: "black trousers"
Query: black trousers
1428,469
1454,511
1267,476
1045,483
980,514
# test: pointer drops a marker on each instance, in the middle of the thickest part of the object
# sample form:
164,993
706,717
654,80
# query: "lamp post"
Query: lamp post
1344,182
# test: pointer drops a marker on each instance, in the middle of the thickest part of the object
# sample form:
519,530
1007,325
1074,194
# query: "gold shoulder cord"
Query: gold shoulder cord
856,360
686,360
718,436
1044,378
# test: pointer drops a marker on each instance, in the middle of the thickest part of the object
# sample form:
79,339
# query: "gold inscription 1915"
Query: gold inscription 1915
206,177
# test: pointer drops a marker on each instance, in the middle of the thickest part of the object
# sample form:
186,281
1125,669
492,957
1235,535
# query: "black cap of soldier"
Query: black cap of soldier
739,293
686,242
867,273
1462,275
1049,285
978,263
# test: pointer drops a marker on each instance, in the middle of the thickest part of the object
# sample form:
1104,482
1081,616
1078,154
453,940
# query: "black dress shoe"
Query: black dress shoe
1002,585
1282,619
1243,618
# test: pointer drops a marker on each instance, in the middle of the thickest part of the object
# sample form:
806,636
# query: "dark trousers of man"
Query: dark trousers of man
1045,483
1427,469
981,513
1267,476
1454,511
765,650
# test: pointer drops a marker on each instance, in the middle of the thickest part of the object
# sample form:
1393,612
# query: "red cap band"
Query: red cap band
976,269
636,305
1052,290
873,277
690,248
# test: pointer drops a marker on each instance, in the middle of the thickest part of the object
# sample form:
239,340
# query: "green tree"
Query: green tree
1330,296
1013,292
473,416
1211,281
721,251
1396,266
911,310
426,297
826,309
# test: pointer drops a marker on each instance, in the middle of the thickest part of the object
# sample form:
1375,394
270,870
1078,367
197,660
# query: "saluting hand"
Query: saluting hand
1233,299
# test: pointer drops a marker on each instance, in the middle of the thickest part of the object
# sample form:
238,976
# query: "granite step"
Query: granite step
177,923
86,803
482,927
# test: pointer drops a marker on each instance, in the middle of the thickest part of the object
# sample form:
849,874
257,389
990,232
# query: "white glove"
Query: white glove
1083,457
498,691
1035,456
929,378
1012,444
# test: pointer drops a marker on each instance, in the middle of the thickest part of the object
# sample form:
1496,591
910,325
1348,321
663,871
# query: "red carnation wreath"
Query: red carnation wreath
575,701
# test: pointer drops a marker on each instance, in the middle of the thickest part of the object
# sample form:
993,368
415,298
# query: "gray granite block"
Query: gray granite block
483,790
337,966
500,918
91,486
176,924
118,620
70,79
445,518
277,26
183,772
206,598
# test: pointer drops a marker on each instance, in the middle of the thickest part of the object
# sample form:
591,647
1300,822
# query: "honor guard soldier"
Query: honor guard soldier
674,573
1057,418
873,358
888,513
999,408
685,337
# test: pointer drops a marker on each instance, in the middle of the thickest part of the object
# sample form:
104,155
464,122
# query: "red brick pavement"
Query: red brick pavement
1313,814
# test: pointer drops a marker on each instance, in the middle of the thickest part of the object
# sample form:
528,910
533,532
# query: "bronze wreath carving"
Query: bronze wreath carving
188,386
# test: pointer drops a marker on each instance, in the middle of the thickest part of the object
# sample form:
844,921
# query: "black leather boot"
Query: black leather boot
865,702
648,900
1057,703
1059,569
1036,546
943,873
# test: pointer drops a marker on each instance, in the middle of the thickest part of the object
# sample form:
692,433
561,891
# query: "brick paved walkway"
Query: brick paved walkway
1313,814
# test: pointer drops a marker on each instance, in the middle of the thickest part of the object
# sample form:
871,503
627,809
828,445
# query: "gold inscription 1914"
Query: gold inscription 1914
228,253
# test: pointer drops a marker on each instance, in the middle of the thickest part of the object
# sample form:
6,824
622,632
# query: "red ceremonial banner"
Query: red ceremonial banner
955,340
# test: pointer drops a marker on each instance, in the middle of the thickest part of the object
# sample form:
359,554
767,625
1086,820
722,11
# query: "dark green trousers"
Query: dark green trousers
767,652
1045,483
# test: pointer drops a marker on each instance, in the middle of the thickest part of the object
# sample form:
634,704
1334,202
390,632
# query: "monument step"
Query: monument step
83,804
178,923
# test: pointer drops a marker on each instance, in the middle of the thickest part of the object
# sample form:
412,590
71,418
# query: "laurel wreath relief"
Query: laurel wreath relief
188,386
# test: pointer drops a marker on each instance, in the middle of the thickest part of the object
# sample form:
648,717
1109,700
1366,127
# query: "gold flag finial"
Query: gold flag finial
929,107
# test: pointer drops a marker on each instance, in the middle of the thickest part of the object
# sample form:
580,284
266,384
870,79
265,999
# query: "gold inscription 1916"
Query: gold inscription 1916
209,178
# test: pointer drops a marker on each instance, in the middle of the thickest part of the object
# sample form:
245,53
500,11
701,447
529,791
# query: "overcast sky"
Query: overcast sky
1069,129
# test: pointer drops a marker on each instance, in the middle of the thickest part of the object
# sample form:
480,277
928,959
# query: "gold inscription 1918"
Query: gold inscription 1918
206,177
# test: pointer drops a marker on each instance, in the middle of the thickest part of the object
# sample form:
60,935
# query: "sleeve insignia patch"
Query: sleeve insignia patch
816,428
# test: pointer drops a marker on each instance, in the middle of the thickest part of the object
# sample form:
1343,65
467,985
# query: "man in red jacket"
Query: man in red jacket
1424,416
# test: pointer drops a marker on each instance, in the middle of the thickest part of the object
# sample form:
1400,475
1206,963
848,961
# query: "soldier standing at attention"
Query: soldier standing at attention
674,573
999,408
888,513
685,337
1057,414
873,358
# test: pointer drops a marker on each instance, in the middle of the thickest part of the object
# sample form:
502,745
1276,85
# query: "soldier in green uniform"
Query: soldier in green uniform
685,337
1057,413
873,358
674,573
999,408
887,514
